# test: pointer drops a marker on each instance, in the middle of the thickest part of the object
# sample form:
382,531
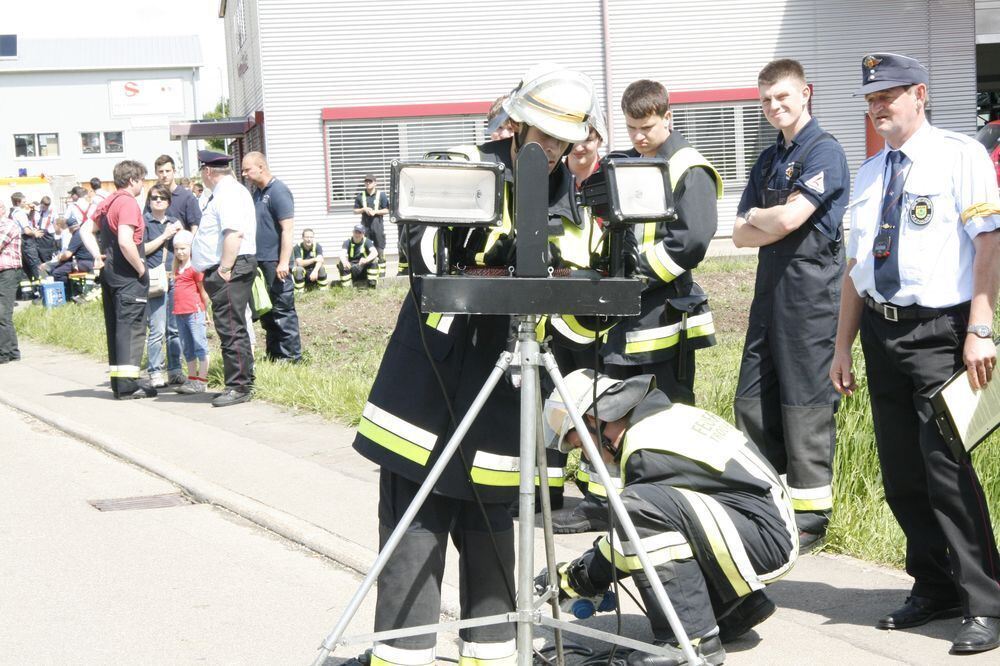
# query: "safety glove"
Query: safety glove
577,595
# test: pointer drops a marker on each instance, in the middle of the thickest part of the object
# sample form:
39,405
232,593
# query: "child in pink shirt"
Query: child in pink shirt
190,306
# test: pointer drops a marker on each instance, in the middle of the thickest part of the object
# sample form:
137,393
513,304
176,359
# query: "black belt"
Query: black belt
892,312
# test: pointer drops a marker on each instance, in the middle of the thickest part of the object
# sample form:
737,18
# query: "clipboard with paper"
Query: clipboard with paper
965,417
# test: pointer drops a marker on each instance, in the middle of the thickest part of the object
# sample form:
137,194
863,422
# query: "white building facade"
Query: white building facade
342,88
77,107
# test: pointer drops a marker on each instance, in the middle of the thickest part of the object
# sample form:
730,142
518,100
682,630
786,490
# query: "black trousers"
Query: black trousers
375,231
281,324
124,302
29,257
951,551
229,313
699,542
666,373
409,588
9,281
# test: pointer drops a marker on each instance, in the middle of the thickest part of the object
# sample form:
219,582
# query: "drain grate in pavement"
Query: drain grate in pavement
143,502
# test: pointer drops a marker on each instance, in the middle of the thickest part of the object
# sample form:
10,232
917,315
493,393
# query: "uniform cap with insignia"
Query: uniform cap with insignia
210,158
881,71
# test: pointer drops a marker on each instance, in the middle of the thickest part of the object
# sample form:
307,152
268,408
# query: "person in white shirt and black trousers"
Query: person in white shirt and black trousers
224,249
923,272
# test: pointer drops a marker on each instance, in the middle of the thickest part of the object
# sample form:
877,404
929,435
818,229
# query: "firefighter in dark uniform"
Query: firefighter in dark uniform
675,319
358,261
406,423
921,284
792,209
309,264
371,204
120,254
713,515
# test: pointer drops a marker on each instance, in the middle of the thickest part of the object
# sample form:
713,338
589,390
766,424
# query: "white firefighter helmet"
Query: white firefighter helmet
615,399
556,100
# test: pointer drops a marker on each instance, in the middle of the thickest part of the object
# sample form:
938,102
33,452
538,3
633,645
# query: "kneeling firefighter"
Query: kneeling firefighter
406,422
712,513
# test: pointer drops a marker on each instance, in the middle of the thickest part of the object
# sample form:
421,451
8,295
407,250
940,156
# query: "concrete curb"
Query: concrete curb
321,541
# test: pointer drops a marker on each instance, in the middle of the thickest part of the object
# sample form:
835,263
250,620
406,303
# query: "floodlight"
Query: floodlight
447,193
630,190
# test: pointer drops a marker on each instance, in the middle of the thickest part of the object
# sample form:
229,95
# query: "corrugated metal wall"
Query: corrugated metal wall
319,54
246,92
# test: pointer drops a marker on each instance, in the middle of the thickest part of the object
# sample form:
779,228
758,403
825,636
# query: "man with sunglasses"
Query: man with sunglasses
792,209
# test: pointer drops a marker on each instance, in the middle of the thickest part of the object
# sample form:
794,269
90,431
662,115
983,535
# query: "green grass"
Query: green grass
345,332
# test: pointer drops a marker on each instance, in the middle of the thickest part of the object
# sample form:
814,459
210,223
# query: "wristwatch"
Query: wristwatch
223,269
980,331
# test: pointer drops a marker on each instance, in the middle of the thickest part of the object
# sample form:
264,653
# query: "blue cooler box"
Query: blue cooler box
53,294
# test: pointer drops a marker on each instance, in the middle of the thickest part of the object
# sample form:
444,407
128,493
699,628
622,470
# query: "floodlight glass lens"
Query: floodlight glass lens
442,193
641,190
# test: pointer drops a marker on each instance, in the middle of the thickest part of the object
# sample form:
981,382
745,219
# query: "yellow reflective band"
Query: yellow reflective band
387,655
540,328
686,158
393,442
811,499
979,210
725,542
570,328
657,556
595,486
660,262
582,475
492,469
557,478
124,371
564,582
553,110
653,344
440,322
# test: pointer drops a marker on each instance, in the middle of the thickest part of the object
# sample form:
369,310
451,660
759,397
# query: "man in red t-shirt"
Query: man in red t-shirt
124,282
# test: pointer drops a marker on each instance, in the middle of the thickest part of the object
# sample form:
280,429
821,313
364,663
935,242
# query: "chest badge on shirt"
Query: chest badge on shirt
921,211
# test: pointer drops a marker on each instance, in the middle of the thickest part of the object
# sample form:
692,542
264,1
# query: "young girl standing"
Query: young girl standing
190,305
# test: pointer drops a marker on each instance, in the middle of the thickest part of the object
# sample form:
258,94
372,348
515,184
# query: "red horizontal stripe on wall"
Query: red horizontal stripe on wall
721,95
406,110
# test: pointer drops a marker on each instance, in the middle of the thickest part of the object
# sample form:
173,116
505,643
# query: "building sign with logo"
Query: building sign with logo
162,97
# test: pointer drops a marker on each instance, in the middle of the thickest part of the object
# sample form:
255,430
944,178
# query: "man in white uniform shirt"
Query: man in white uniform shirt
224,250
924,257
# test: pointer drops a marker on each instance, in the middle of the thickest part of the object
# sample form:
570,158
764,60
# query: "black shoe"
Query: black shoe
809,541
978,634
747,614
230,397
709,649
138,394
916,611
590,515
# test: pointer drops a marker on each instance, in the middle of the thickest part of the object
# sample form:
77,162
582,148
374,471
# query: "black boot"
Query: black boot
750,611
590,515
709,649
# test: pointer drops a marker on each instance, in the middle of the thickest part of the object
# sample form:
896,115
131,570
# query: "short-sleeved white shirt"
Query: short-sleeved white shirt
229,208
949,175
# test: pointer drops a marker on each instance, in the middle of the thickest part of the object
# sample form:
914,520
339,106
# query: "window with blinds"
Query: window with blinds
359,147
729,135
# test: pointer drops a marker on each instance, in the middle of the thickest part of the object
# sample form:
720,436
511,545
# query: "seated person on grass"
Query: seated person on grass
358,260
308,263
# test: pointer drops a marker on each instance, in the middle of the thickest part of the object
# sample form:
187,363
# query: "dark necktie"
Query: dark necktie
887,268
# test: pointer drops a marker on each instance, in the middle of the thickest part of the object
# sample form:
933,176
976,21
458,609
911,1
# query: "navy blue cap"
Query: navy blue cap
210,158
359,228
881,71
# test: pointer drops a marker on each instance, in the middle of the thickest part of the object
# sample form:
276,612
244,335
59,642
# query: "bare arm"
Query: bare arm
848,324
782,220
231,240
285,251
157,243
90,242
747,235
979,354
130,250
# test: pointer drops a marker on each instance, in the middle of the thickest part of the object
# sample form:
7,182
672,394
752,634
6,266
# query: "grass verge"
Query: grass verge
345,332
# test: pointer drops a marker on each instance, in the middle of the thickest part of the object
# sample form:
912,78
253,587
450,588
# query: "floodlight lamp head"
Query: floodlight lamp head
446,193
630,190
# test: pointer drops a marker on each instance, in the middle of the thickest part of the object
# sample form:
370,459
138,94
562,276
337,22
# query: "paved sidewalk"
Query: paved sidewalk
296,475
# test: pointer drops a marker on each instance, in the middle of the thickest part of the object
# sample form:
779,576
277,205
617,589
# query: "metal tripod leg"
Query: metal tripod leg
624,520
550,547
411,511
526,515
